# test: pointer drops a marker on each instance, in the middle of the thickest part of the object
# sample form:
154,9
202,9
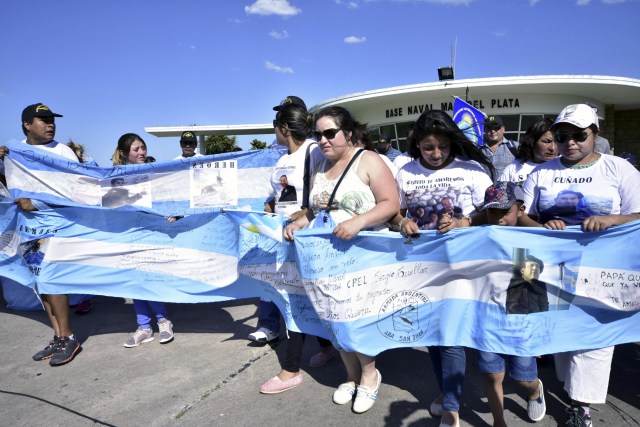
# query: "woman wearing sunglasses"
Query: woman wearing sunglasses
595,191
448,174
365,199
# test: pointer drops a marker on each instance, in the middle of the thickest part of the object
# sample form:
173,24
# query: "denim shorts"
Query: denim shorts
520,368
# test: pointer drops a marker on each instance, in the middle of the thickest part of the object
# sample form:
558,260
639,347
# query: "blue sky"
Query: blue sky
118,66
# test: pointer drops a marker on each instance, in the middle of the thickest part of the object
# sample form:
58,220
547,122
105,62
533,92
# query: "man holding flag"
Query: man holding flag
38,125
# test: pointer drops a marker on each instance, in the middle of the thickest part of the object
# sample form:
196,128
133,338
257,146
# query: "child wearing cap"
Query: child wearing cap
503,204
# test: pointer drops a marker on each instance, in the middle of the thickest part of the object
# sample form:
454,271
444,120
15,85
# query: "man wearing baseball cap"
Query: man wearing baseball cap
188,143
500,150
38,125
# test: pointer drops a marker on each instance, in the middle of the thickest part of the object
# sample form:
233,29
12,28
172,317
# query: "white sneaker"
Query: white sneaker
166,331
263,335
138,337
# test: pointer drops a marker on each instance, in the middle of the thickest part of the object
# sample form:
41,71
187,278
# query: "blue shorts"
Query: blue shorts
520,368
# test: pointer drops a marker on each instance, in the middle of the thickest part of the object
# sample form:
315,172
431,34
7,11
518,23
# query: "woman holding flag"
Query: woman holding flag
363,196
132,150
448,174
593,190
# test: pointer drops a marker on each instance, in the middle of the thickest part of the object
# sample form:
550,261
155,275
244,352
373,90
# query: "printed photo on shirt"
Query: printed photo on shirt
571,206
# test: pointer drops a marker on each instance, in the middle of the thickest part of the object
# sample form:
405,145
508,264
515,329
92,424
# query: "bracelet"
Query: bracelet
403,221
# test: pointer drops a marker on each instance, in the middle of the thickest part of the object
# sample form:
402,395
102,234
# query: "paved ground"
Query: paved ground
210,375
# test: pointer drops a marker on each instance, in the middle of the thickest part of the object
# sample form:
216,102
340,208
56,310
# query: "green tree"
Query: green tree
256,144
216,144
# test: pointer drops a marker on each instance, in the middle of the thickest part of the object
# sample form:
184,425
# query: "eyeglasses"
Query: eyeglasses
579,137
275,123
329,134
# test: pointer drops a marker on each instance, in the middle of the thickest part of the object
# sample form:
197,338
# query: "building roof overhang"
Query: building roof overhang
622,92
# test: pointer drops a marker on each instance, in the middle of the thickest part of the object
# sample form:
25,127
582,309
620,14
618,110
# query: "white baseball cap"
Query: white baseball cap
579,115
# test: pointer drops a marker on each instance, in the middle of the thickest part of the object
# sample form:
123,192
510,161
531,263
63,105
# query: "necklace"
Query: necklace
584,166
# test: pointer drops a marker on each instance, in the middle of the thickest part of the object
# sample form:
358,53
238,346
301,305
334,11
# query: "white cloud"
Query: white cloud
271,66
279,35
237,21
533,2
613,1
450,2
499,33
272,7
583,2
354,39
352,5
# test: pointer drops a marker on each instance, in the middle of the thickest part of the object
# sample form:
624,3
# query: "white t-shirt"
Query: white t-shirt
288,200
610,187
52,147
56,148
392,167
517,172
402,160
462,182
182,157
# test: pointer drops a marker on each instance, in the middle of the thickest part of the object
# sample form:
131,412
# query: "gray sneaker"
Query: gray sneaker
537,408
166,331
138,337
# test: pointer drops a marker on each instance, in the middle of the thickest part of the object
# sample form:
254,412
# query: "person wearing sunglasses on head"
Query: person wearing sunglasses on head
366,198
610,187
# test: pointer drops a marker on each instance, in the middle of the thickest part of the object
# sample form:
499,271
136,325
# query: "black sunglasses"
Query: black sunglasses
275,123
579,136
329,134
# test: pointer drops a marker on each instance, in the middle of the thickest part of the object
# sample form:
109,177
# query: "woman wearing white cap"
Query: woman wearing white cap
610,187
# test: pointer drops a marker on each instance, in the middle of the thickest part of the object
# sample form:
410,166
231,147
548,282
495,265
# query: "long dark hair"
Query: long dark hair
440,123
124,146
531,136
345,121
298,121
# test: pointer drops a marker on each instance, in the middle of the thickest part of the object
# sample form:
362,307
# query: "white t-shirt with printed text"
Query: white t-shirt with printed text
610,187
464,182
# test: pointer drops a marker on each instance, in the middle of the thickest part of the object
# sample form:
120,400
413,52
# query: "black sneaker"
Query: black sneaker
66,348
48,351
576,419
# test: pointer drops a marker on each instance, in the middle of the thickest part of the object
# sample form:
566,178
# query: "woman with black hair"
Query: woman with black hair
365,199
292,128
537,146
448,175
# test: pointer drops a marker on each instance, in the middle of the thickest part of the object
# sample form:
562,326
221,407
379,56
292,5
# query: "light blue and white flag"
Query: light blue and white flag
377,292
469,119
174,188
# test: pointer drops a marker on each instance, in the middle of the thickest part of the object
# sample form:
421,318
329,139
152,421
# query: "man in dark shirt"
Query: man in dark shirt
526,294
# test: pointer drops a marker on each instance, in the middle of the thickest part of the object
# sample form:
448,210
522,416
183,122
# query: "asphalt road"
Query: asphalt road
210,376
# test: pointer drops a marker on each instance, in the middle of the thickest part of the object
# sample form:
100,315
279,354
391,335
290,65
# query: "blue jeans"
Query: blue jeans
145,309
519,368
269,316
449,365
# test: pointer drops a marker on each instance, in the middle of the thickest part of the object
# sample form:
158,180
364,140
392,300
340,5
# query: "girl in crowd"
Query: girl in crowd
536,146
292,127
610,188
366,198
447,174
132,150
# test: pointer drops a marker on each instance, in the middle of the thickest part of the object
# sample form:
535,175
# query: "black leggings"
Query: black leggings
293,354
